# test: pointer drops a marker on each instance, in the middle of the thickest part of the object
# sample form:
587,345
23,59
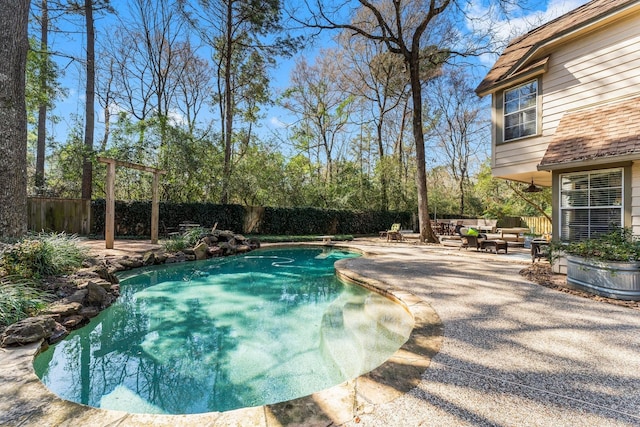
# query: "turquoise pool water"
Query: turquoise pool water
226,333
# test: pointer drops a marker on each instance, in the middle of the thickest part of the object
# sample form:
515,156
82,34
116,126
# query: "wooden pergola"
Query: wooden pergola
110,217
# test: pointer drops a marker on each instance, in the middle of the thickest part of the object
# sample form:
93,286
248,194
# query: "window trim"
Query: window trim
537,111
621,205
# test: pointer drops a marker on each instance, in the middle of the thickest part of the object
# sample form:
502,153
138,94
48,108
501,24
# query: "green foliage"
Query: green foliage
21,298
174,244
41,255
619,245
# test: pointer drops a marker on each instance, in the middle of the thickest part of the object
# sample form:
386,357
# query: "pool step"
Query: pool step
356,333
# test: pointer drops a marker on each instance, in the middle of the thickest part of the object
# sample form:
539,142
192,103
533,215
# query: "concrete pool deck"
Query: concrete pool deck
511,353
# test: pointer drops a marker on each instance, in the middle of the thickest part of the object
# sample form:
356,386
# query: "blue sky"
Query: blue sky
538,12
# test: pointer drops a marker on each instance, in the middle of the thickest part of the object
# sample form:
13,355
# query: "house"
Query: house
566,114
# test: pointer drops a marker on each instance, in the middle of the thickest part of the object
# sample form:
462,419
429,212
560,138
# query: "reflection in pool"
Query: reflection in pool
226,333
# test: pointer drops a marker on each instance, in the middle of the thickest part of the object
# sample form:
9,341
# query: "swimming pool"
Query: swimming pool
226,333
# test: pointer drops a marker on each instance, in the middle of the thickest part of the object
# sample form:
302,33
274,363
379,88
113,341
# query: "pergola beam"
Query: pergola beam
110,217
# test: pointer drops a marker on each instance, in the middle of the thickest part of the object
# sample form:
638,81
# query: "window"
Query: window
520,111
590,203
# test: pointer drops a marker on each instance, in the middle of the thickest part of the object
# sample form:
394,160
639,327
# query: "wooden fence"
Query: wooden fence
537,224
71,216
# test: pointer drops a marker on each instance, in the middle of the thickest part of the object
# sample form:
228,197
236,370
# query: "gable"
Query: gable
524,52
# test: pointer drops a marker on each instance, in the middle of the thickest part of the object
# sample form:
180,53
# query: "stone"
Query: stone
161,258
78,296
241,249
28,330
60,309
114,267
96,295
89,312
200,251
130,263
149,258
106,274
214,251
105,284
74,322
58,334
188,251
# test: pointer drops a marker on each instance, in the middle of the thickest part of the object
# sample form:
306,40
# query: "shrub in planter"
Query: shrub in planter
607,265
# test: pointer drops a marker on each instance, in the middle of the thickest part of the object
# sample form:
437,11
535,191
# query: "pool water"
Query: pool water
226,333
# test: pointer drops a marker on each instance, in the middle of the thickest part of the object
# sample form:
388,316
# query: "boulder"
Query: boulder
115,290
130,263
75,321
161,258
149,258
58,334
28,330
200,251
215,251
77,296
241,249
89,312
96,295
59,310
106,274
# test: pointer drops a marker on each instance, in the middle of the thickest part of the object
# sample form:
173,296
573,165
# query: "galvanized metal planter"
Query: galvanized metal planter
620,280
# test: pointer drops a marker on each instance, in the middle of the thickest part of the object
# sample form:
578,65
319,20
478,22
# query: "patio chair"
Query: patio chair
472,241
394,233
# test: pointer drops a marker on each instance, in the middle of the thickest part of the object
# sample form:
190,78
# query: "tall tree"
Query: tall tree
322,107
89,111
404,27
14,44
87,9
42,108
459,126
246,37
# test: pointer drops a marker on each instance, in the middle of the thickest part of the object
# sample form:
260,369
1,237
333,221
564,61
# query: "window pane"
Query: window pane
607,197
520,111
590,204
511,120
575,182
512,133
574,199
511,107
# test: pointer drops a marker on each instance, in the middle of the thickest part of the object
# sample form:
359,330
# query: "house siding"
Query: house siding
598,68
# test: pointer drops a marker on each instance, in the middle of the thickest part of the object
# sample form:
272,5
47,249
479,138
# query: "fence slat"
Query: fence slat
60,215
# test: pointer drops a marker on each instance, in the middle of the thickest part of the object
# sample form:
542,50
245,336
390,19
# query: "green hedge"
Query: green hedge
134,219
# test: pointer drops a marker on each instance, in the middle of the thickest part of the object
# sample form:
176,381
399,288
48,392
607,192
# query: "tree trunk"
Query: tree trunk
426,232
384,182
14,45
42,109
87,166
228,114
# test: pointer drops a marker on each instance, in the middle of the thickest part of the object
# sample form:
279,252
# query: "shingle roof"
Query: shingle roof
519,48
602,131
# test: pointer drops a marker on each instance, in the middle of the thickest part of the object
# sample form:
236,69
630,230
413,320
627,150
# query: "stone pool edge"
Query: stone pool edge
24,400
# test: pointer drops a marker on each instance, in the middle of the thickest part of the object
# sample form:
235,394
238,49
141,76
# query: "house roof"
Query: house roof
521,50
605,131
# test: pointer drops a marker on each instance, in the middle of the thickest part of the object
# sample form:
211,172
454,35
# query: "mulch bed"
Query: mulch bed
541,274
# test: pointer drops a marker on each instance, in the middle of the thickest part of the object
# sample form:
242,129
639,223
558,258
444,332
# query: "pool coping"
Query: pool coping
24,400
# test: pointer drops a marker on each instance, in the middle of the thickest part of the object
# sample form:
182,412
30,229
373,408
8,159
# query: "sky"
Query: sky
276,119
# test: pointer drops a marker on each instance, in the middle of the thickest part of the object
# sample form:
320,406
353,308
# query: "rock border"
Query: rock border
94,287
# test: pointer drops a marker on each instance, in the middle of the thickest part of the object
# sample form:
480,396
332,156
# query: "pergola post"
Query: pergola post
155,209
110,216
